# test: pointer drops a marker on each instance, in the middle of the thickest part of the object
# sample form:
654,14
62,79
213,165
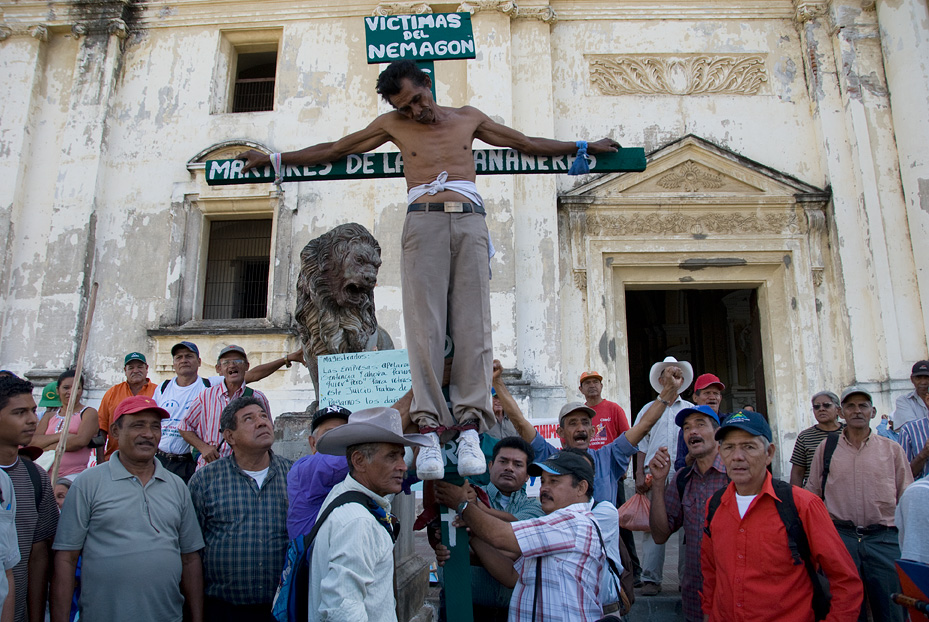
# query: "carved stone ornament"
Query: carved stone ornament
808,10
817,277
79,29
36,31
697,74
118,28
692,224
580,279
507,7
39,31
542,13
690,178
402,8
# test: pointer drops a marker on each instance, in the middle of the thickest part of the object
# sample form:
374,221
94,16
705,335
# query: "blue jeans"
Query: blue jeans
874,555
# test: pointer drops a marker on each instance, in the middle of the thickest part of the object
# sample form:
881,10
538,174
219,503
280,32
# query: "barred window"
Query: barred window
237,270
254,82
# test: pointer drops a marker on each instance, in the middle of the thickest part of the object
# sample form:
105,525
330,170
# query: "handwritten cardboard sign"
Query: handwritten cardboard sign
363,379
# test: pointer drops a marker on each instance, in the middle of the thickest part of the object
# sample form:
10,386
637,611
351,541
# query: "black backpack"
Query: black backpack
797,541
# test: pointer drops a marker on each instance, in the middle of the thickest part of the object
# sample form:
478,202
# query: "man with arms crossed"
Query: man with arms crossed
442,237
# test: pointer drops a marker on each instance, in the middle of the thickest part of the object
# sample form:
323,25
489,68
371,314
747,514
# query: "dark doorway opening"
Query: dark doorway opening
715,330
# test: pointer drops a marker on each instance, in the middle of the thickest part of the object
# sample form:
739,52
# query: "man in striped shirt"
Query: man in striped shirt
914,437
200,426
560,556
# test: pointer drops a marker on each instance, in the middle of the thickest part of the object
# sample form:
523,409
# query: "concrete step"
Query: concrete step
660,608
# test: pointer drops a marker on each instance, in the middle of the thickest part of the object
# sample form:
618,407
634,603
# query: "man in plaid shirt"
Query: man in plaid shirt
559,556
669,511
241,504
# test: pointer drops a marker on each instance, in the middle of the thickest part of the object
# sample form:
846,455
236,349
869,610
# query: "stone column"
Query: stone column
538,307
904,33
21,73
848,99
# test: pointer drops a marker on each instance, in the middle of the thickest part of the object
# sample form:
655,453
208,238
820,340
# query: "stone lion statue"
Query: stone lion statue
335,296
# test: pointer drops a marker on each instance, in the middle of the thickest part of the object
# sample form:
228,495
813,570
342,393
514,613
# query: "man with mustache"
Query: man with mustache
133,524
670,510
863,482
200,426
36,516
445,249
241,504
749,571
177,394
137,383
708,391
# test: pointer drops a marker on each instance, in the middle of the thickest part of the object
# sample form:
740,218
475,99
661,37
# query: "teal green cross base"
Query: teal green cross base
456,574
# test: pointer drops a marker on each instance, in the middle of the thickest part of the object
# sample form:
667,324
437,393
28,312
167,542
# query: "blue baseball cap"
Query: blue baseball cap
700,410
190,345
751,421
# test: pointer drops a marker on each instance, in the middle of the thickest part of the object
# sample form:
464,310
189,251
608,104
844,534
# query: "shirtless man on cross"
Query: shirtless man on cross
445,250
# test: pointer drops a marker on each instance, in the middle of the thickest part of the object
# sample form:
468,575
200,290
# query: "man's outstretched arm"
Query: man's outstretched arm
499,135
364,140
668,396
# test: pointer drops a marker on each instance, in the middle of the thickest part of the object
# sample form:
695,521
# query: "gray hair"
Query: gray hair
832,396
368,450
227,420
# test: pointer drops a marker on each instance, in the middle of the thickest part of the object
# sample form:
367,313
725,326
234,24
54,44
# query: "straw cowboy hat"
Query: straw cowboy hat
670,361
371,425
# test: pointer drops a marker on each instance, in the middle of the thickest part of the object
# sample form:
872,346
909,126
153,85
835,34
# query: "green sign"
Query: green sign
390,164
434,36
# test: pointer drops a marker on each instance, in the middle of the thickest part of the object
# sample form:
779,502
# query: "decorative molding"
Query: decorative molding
808,10
119,28
542,13
691,178
401,8
79,30
507,7
695,74
817,275
36,31
580,279
653,223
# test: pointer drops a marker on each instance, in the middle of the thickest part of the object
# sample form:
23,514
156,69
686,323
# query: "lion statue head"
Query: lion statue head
335,293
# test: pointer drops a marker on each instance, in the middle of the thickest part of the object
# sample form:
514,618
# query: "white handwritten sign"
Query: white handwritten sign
363,379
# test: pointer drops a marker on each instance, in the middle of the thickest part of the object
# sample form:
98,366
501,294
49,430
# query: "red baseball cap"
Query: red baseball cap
138,403
705,380
590,374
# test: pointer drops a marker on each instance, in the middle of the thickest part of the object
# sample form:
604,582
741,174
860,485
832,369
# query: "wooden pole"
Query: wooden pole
78,368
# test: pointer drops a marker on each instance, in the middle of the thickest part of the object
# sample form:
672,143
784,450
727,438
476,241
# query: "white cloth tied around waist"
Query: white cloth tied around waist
462,187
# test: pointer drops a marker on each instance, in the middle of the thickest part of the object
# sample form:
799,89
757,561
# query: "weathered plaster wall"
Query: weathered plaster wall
99,123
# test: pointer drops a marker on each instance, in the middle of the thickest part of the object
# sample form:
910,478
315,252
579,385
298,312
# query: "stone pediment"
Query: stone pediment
692,168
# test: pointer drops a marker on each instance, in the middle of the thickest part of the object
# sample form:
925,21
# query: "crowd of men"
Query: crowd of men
155,533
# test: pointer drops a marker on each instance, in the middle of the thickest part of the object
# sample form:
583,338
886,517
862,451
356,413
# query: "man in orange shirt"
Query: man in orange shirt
137,383
748,569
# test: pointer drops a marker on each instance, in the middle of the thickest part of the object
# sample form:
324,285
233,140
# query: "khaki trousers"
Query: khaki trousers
445,278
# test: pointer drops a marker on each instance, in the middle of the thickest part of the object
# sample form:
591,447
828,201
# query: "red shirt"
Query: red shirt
609,423
748,573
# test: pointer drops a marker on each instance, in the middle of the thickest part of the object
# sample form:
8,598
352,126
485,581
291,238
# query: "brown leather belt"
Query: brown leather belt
449,207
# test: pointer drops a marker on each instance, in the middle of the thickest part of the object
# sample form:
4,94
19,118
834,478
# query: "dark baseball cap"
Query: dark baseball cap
921,368
190,345
565,463
700,410
329,412
134,356
751,421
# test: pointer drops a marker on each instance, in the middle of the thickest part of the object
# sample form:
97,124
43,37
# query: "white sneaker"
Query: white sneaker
429,463
471,460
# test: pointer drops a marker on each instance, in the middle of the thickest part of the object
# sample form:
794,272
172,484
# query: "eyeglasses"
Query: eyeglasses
228,362
825,406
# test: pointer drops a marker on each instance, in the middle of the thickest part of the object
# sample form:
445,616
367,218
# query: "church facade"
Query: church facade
776,238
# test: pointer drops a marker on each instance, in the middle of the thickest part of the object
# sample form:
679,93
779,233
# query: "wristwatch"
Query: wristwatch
462,506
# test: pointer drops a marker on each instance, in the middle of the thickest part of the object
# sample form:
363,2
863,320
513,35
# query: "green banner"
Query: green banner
434,36
390,164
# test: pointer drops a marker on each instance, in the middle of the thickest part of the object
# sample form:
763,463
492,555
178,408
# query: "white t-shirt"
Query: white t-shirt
177,400
663,433
258,476
744,501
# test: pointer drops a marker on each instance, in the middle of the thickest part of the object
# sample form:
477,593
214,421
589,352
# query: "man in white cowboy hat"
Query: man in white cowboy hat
352,565
662,434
